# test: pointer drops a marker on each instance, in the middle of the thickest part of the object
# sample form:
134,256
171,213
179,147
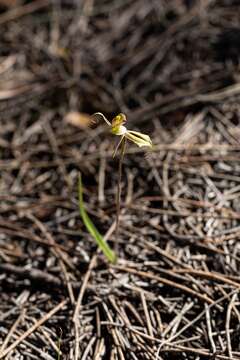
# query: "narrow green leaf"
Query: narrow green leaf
110,255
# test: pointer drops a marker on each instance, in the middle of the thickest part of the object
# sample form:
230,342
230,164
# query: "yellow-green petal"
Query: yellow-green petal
139,138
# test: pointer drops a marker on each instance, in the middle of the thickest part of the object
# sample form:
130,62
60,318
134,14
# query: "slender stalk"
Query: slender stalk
118,201
59,345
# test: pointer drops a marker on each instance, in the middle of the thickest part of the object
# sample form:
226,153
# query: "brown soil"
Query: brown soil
173,68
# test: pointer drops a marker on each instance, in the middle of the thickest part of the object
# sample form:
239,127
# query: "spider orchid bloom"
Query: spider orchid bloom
118,128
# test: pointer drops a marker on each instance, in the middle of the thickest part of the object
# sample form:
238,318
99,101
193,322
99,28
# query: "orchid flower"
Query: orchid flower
118,128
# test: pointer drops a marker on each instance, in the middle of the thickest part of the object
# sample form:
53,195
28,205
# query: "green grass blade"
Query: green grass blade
110,255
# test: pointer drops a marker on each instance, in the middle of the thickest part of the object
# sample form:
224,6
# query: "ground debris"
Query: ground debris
173,68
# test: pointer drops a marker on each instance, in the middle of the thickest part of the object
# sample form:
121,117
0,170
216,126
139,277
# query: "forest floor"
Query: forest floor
173,68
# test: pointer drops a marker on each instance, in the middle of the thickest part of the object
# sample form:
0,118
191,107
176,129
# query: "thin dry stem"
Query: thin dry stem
118,202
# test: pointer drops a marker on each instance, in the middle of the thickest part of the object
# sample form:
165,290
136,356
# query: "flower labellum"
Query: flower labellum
117,127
